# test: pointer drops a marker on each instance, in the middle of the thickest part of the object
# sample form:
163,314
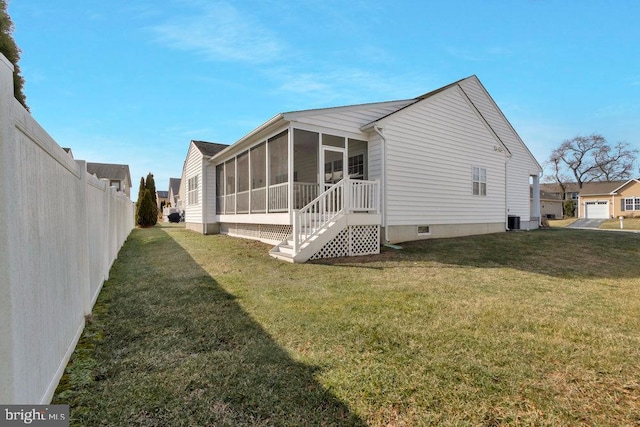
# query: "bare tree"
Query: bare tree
591,158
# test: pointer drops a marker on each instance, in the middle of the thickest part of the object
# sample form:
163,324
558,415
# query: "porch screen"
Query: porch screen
242,198
305,167
220,189
278,147
278,158
230,186
258,156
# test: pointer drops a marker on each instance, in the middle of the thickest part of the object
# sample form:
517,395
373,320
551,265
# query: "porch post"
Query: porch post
347,195
290,161
536,198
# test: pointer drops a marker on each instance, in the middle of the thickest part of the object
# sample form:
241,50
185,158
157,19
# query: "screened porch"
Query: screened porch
287,171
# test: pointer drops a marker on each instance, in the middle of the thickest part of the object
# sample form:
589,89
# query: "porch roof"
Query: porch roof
281,120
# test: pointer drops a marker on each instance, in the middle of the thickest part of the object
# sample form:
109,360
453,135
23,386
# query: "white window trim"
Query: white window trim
192,190
479,176
633,202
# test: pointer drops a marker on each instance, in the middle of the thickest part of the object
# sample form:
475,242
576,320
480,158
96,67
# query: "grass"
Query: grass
628,224
527,328
561,222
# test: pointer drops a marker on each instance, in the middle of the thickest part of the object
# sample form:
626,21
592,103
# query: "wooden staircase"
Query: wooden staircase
322,220
323,235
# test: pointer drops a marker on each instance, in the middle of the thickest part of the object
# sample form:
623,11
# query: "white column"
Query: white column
536,197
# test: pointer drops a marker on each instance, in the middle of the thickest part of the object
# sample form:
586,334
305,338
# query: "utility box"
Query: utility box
513,222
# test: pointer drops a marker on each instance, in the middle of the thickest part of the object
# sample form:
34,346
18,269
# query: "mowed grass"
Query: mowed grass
526,328
627,224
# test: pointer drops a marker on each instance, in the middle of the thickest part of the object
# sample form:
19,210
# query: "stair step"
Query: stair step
282,256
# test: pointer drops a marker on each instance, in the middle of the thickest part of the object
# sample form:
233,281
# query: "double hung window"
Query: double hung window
479,181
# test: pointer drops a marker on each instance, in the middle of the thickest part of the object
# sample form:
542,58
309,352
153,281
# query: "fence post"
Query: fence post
8,212
83,234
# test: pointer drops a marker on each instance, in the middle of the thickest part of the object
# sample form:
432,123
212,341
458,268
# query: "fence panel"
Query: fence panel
63,229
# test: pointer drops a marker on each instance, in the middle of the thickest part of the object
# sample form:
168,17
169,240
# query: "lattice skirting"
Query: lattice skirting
264,232
352,241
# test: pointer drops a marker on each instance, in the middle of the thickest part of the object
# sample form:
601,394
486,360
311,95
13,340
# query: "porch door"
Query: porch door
333,163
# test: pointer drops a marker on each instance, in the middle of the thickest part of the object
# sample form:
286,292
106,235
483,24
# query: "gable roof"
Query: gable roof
110,171
174,185
372,113
588,188
162,194
625,184
209,148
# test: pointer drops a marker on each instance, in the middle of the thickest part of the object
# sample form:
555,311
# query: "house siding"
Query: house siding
193,167
431,149
209,188
630,190
521,165
350,119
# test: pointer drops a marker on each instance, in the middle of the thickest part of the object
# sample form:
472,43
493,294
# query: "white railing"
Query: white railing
230,204
304,193
347,196
279,197
259,200
364,196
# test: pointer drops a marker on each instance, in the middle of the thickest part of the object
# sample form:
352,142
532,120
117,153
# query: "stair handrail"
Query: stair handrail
318,213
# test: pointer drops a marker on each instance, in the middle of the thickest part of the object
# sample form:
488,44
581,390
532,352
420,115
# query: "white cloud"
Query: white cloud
220,32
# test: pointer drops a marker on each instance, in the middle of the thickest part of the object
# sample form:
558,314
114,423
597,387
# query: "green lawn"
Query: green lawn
628,224
524,328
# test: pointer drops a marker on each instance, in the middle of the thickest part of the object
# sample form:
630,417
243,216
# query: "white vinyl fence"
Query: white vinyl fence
60,231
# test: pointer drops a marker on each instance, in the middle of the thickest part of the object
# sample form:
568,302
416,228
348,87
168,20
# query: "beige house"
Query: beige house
118,175
610,200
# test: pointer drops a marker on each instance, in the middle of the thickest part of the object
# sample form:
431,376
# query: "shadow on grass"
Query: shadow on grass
166,345
561,253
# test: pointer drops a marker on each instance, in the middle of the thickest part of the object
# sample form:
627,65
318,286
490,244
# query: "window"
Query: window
356,166
192,190
632,204
479,180
115,183
423,230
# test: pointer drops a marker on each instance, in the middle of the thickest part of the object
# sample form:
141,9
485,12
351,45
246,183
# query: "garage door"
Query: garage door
596,210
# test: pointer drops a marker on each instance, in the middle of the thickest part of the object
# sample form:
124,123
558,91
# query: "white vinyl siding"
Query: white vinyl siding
193,168
479,181
521,165
431,149
192,192
347,119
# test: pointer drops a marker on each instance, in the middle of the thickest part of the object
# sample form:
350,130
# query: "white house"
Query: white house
198,179
340,181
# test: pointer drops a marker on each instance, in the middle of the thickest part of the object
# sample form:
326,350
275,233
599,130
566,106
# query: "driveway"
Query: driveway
586,223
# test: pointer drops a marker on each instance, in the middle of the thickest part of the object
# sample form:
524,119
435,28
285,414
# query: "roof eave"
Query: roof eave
236,145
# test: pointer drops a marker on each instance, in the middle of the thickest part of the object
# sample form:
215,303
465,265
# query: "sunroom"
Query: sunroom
289,185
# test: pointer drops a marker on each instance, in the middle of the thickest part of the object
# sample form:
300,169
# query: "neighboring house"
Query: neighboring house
340,181
610,200
551,204
174,193
198,179
604,199
162,198
118,175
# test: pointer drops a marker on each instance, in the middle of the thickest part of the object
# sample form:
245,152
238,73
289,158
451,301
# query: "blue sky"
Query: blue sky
134,81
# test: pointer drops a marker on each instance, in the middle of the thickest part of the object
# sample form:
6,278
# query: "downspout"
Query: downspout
506,192
384,183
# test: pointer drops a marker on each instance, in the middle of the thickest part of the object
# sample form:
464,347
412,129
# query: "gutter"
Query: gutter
384,182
